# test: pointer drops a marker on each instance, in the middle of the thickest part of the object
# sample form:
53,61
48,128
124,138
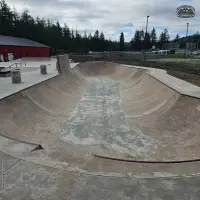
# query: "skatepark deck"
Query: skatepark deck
99,110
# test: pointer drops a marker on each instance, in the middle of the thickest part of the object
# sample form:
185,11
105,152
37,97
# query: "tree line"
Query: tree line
68,40
49,33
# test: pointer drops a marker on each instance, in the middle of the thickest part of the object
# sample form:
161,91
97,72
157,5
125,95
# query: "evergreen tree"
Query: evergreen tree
6,19
142,39
16,23
164,38
147,41
166,35
59,38
66,38
177,38
142,34
96,35
27,25
153,37
161,39
137,40
122,42
102,42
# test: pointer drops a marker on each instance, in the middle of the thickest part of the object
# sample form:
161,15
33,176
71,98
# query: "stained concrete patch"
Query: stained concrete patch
104,188
27,181
100,118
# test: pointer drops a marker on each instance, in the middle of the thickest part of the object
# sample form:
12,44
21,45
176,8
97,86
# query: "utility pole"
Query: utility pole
186,40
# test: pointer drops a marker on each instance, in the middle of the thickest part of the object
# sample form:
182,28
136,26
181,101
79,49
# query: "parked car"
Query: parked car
162,52
195,53
172,51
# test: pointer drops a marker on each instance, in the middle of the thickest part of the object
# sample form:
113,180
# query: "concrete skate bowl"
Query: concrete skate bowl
103,110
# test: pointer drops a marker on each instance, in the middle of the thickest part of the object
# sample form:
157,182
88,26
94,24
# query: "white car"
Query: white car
155,52
162,52
195,53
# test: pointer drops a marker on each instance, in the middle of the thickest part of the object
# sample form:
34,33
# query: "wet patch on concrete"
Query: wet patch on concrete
99,119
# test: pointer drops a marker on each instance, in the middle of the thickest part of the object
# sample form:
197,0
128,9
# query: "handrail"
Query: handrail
6,68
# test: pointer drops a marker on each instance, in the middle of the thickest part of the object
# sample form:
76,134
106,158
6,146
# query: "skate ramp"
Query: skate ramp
106,109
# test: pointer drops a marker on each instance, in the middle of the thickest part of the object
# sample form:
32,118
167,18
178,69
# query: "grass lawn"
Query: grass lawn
178,55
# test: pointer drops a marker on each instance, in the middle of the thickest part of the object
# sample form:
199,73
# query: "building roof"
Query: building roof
14,41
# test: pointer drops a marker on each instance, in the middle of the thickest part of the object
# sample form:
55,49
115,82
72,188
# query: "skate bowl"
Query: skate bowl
103,121
121,111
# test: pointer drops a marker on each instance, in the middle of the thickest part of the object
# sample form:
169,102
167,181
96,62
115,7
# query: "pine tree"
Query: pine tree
102,42
6,19
27,24
122,42
96,35
164,38
153,37
142,34
166,35
137,40
53,34
147,41
177,38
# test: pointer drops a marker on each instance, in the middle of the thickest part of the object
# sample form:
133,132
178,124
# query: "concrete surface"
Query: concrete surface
8,161
106,109
30,75
28,181
16,148
97,188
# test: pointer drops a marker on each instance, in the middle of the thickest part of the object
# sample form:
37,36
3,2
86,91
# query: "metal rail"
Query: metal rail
10,67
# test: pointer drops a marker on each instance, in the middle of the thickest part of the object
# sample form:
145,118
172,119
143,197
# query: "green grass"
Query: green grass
175,64
186,67
186,64
178,55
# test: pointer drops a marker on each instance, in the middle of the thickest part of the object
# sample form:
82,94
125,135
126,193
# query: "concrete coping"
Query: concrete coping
174,83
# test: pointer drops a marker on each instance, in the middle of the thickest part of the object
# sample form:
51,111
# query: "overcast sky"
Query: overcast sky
113,16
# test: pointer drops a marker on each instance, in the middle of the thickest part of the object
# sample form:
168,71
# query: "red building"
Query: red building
21,47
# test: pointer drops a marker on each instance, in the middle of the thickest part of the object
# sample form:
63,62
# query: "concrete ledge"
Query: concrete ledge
7,88
176,84
29,78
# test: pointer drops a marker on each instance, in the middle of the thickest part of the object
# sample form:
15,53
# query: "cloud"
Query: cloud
113,16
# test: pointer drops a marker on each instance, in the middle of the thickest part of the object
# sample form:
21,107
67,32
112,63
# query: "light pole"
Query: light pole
186,39
147,23
145,55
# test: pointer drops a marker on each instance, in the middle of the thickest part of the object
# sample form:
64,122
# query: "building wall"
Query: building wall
19,52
